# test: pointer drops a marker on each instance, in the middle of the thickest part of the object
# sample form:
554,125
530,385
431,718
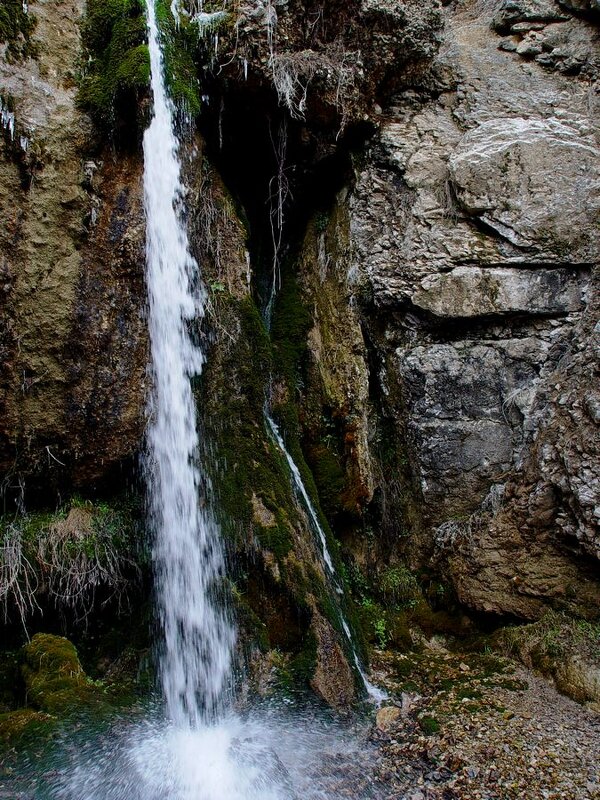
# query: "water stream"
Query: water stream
375,694
195,664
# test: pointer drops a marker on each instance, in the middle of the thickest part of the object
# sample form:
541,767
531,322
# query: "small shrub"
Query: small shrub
429,725
381,633
399,587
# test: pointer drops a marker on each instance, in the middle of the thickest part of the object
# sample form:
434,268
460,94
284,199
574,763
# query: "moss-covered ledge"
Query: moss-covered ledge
52,689
115,70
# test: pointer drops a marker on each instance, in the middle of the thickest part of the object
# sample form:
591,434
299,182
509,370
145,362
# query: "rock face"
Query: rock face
558,210
475,226
72,233
434,352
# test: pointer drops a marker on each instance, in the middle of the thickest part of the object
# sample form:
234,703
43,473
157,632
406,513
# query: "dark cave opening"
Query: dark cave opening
280,170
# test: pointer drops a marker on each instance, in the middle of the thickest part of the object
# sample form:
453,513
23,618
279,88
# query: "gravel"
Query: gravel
481,728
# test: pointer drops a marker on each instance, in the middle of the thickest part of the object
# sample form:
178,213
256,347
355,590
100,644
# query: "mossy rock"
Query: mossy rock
50,664
54,678
257,507
117,72
180,46
289,329
9,679
16,30
25,726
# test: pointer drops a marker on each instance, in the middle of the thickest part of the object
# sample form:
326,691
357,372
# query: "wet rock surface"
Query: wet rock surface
74,338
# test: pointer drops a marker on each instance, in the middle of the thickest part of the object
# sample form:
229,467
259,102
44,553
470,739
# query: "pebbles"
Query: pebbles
520,739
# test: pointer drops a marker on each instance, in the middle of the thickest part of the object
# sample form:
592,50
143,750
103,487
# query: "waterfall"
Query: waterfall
195,664
203,750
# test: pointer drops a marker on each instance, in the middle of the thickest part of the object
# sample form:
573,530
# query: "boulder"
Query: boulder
535,182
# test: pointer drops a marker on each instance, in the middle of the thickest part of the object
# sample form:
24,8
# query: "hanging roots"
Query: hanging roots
68,560
293,73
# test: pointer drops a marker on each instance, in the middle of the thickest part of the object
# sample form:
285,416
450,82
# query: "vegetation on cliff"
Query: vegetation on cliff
278,591
16,28
115,72
69,559
116,68
50,687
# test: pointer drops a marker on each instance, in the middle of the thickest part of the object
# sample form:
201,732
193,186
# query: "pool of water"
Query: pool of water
272,753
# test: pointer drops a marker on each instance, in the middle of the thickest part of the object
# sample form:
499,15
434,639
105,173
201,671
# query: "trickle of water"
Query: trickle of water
377,695
196,660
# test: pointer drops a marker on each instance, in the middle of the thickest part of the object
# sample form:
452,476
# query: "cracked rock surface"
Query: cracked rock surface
475,226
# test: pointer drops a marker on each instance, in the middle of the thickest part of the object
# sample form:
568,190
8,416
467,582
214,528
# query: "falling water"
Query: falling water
376,694
203,751
198,639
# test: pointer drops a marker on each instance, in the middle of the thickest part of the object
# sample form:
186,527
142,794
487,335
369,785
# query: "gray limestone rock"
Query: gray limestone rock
476,292
591,7
535,182
515,11
475,228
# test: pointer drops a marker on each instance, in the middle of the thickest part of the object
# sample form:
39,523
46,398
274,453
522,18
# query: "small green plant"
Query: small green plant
429,725
399,587
374,622
381,633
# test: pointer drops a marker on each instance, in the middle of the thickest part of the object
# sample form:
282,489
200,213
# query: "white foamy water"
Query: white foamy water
195,664
276,754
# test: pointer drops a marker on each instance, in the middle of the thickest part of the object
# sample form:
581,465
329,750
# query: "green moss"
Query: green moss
289,329
254,496
246,461
321,222
180,50
429,725
278,539
117,69
54,678
9,680
302,666
294,673
329,478
24,727
249,620
50,665
16,30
